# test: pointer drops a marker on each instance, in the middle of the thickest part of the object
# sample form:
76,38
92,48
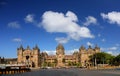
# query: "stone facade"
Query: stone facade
85,53
0,60
29,57
36,59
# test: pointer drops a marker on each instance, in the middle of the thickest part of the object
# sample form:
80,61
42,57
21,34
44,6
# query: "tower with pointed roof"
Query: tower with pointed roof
85,53
30,57
96,49
20,53
36,54
60,55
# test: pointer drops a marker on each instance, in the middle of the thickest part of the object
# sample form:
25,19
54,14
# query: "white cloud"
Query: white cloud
55,22
67,52
103,40
17,40
70,52
14,24
62,39
50,52
112,17
90,20
29,18
117,44
111,50
89,44
99,35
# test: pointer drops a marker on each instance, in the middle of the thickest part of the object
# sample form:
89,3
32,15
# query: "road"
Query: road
70,72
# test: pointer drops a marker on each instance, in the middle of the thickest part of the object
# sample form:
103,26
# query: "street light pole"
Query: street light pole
95,61
103,62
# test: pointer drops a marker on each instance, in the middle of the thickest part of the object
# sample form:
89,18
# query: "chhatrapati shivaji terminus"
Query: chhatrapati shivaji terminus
35,58
60,34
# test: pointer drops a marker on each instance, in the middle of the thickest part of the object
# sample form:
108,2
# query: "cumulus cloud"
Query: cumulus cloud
89,44
103,40
117,44
29,18
114,48
14,24
55,22
99,35
50,52
111,50
90,20
62,39
70,52
17,40
67,52
112,17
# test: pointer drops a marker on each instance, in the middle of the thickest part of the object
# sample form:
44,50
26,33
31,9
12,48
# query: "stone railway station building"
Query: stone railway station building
35,58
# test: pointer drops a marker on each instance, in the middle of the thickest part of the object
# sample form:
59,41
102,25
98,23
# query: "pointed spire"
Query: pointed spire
90,47
96,46
82,47
21,47
36,47
28,48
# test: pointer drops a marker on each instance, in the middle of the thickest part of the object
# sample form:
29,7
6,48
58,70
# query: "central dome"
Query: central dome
60,46
59,49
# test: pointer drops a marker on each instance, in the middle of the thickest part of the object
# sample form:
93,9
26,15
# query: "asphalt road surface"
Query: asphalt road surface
70,72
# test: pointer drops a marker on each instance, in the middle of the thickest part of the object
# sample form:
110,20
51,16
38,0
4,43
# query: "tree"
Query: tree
78,64
55,62
44,64
116,60
69,63
101,58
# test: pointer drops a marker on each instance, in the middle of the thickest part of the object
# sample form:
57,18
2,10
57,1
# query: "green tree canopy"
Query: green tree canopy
101,58
116,60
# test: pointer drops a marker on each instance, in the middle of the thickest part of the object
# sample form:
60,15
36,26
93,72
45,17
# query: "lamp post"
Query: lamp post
103,62
95,60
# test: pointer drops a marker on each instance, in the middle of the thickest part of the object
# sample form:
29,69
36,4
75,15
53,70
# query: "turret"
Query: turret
60,49
90,50
36,48
97,49
60,46
82,49
28,48
20,50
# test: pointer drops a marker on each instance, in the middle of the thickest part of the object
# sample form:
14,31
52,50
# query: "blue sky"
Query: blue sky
70,22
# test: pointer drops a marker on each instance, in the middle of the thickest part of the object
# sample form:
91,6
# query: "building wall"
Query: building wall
61,59
0,60
29,57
